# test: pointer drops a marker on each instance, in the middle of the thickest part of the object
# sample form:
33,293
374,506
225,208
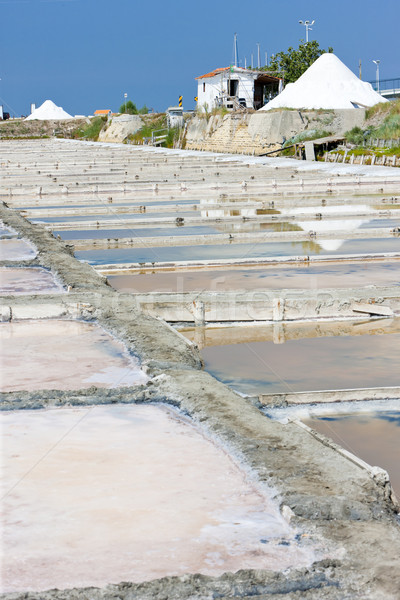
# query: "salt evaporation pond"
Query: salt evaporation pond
101,234
307,364
130,493
6,232
16,249
310,276
86,356
111,216
32,280
374,437
238,251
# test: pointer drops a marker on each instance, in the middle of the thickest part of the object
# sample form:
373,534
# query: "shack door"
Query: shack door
233,85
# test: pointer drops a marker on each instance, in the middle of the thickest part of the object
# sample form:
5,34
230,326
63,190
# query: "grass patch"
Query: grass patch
355,136
305,136
158,124
151,123
383,108
91,130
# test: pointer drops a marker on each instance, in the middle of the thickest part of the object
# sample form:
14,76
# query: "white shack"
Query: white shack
233,87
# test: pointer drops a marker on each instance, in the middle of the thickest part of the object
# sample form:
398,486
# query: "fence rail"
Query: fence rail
386,84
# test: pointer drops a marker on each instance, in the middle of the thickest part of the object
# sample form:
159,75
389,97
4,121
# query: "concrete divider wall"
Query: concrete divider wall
282,305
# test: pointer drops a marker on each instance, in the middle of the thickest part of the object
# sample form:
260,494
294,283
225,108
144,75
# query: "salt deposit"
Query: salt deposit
15,249
328,84
31,280
86,356
49,111
130,493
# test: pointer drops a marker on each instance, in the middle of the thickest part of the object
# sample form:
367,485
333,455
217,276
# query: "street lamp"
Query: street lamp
377,74
307,25
125,97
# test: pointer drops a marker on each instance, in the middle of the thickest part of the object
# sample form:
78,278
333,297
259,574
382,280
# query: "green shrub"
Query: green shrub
355,136
91,130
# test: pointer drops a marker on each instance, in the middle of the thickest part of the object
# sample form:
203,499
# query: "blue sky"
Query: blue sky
84,54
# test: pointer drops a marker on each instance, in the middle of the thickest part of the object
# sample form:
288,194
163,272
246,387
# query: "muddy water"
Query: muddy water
313,276
374,437
307,364
137,493
14,249
33,280
86,356
238,251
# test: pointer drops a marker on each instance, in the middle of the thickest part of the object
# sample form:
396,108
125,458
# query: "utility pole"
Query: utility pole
307,25
377,74
266,59
235,50
359,66
258,56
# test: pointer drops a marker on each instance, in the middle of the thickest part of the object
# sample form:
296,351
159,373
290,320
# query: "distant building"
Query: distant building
233,87
103,113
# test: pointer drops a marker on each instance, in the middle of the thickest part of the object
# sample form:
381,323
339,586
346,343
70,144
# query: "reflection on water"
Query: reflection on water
239,251
307,364
178,229
373,437
100,234
111,216
310,276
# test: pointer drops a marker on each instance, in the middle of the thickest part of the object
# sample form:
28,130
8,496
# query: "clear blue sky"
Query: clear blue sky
84,54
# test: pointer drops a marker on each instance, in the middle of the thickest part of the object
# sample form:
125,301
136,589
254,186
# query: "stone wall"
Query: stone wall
260,132
118,129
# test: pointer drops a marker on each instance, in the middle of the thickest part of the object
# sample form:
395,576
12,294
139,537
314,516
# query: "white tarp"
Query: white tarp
328,83
49,111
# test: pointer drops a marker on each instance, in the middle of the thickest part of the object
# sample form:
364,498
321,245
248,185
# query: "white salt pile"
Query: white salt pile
328,83
48,111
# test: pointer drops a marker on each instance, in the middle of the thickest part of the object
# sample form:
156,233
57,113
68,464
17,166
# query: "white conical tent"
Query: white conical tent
49,111
328,84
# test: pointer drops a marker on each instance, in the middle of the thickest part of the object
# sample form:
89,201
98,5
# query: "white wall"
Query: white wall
219,83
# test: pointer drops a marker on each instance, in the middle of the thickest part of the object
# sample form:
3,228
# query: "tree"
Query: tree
291,65
128,108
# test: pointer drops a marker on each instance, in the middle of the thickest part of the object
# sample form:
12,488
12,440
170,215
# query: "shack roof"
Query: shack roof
260,74
325,140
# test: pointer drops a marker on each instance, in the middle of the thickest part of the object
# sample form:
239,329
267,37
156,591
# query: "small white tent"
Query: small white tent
49,111
328,84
